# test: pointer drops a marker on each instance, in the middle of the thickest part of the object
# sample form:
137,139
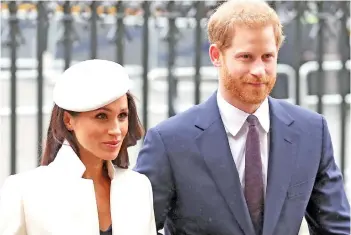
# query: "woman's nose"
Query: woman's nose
115,128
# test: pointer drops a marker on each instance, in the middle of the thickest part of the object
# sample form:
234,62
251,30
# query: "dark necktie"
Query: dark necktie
253,175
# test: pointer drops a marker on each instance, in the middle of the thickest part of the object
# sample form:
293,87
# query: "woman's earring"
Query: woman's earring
69,128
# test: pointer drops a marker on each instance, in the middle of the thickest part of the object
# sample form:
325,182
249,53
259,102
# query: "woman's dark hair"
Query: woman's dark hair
58,132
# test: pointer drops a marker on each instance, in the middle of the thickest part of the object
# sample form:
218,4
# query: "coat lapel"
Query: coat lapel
119,197
131,205
283,150
214,147
76,208
74,197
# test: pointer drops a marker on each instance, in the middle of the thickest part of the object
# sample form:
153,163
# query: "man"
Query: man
243,162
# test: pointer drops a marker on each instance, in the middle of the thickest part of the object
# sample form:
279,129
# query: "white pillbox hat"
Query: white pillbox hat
90,85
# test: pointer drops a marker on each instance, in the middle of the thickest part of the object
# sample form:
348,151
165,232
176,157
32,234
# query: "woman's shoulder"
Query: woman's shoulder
28,177
133,186
132,176
24,183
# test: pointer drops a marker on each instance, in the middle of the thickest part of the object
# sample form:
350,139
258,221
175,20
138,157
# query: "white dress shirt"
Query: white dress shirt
236,127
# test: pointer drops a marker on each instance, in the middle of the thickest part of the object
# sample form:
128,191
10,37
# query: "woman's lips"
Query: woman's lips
112,144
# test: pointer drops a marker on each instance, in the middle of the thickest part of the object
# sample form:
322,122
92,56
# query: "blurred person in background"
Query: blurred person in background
243,162
83,185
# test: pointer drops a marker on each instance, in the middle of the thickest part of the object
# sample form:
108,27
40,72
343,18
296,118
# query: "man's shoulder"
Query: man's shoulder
181,120
303,117
296,108
186,120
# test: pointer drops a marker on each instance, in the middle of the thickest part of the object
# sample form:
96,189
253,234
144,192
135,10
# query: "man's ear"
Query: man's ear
215,55
68,120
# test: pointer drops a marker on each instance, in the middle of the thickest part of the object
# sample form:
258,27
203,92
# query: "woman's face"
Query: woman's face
102,131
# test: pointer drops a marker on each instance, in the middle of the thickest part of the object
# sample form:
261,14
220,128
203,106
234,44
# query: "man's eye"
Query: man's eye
267,56
245,57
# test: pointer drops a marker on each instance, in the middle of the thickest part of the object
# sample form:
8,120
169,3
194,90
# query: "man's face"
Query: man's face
248,67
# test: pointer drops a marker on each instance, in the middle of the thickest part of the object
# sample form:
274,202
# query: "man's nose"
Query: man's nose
258,70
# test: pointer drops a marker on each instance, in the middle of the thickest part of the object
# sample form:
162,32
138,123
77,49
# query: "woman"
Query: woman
83,185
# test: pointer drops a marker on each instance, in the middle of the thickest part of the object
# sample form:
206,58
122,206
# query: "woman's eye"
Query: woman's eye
101,116
123,115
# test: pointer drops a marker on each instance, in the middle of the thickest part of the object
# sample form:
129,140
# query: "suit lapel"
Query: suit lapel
283,150
213,146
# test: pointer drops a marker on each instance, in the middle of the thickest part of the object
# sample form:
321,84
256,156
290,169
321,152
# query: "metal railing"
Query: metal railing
158,29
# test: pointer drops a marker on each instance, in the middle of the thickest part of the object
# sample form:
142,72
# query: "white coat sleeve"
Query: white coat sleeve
12,221
152,213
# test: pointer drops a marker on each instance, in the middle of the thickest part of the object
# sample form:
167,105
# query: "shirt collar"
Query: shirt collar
68,160
234,118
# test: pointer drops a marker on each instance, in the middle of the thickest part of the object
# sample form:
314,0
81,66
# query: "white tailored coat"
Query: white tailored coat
56,200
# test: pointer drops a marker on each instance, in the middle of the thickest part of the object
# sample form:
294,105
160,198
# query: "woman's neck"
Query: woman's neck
94,167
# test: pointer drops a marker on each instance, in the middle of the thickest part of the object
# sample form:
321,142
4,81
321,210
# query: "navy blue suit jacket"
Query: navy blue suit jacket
196,186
